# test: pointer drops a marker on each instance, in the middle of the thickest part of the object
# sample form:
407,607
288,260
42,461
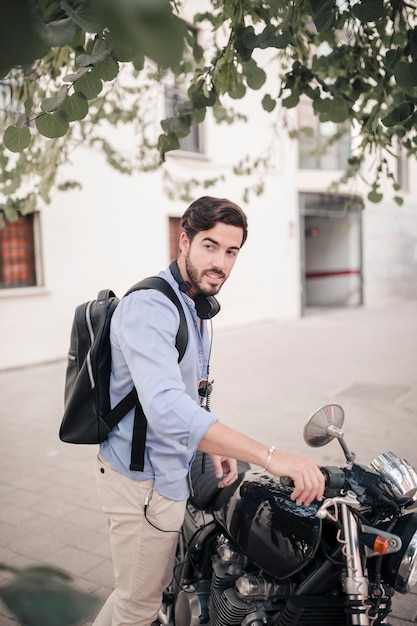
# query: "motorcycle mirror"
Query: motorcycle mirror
324,425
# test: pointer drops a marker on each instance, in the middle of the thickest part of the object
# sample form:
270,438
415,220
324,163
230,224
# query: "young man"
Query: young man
146,509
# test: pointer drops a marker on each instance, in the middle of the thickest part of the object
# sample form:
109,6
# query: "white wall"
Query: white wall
114,232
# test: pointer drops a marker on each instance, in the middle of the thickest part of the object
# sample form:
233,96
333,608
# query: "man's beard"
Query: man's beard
195,279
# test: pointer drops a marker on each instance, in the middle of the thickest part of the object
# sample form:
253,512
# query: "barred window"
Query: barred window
17,253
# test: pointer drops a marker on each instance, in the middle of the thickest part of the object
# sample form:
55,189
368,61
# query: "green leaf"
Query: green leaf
269,38
292,100
108,70
144,27
255,76
369,10
406,74
374,196
52,125
28,104
71,78
21,120
331,109
99,54
78,41
138,62
399,200
16,139
268,103
166,143
179,126
391,58
238,90
398,114
40,599
12,215
83,17
59,32
75,106
324,12
90,84
51,104
28,205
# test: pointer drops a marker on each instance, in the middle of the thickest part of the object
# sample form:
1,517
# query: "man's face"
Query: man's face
210,257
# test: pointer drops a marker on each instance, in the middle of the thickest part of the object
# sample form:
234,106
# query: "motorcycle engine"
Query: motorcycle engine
233,596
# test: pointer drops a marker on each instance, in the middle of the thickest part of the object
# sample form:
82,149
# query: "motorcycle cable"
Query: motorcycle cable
189,558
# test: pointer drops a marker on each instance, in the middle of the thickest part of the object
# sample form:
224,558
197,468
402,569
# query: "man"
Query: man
146,509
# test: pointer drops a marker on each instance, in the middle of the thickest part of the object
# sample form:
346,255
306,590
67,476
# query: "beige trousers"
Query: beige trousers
143,557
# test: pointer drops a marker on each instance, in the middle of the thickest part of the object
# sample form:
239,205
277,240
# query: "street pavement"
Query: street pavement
268,378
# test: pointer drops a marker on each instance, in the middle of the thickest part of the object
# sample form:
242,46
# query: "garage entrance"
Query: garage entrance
331,251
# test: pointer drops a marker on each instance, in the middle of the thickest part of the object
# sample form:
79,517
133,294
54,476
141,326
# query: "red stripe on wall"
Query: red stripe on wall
329,274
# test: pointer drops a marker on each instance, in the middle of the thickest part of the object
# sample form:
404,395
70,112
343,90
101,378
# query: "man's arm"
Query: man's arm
230,444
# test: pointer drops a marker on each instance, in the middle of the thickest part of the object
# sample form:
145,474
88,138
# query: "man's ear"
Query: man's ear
184,242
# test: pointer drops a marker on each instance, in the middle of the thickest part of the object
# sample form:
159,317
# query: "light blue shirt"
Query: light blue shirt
142,335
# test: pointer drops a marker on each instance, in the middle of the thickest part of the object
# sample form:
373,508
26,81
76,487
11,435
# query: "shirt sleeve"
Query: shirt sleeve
144,329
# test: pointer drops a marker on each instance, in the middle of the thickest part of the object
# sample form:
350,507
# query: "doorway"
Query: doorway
331,251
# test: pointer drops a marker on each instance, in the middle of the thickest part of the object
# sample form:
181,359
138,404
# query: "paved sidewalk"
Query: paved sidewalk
268,380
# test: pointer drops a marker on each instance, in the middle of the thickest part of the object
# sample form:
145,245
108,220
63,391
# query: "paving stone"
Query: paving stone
269,379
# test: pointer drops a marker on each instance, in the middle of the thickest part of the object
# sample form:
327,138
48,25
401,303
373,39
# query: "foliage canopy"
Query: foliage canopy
61,76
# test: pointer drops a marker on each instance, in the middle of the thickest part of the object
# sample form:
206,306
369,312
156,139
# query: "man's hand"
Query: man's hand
224,468
308,479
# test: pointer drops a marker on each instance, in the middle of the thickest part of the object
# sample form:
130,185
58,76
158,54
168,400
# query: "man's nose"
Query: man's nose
219,261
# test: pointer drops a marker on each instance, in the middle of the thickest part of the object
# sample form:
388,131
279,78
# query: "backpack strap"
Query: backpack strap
160,284
127,403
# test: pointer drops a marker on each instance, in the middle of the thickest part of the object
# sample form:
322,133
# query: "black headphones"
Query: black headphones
206,306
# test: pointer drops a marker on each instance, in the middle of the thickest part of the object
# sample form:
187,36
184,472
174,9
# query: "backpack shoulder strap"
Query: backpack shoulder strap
160,284
140,422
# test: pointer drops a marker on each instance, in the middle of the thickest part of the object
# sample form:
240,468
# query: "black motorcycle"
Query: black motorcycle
248,555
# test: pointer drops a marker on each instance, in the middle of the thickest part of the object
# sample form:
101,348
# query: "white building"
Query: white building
303,248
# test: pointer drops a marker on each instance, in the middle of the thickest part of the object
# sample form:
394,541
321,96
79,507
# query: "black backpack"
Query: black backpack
88,417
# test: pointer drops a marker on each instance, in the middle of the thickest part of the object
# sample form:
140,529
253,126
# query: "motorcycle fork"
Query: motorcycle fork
356,583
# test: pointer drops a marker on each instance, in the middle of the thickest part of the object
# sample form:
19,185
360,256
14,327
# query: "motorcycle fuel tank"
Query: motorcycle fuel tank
275,533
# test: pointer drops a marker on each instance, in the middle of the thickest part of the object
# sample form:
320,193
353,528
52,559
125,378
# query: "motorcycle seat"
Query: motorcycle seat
206,495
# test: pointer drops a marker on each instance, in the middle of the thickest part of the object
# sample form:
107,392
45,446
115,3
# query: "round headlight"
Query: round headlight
400,568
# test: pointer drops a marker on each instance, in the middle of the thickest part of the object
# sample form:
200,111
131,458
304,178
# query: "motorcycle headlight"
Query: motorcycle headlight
398,478
400,568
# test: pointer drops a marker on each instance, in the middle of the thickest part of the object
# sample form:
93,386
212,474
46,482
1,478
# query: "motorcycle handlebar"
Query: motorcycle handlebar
334,479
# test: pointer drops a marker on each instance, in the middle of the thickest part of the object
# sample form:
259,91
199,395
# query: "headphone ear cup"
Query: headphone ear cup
206,307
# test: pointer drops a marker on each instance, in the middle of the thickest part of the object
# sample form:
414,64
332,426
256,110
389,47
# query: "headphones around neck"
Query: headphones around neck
205,306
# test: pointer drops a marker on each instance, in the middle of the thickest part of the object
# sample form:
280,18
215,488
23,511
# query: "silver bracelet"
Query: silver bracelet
268,460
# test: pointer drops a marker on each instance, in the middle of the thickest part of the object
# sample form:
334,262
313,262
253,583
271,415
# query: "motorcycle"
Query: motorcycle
248,555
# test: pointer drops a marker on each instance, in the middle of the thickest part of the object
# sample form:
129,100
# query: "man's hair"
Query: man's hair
204,213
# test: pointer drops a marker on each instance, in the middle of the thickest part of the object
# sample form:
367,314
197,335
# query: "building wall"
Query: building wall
115,231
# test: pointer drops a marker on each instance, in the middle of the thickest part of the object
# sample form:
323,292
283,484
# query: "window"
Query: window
176,93
17,253
315,149
174,97
174,236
